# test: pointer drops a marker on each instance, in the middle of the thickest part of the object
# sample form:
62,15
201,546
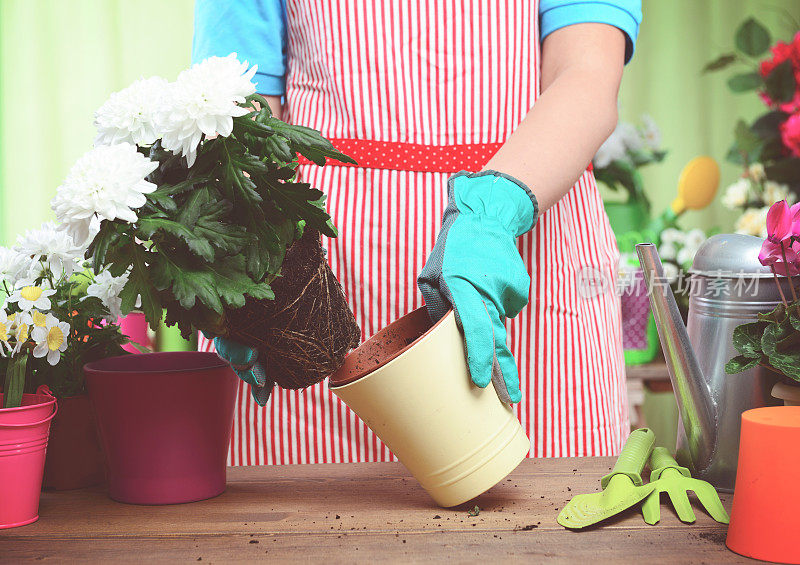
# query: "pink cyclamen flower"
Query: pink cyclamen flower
779,222
790,134
782,257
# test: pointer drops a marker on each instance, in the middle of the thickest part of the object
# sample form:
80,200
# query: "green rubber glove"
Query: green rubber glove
244,362
475,269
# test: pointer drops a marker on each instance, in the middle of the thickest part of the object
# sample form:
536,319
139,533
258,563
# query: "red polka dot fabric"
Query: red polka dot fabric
396,156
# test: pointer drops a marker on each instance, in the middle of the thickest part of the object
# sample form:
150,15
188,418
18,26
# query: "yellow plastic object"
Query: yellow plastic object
457,440
697,185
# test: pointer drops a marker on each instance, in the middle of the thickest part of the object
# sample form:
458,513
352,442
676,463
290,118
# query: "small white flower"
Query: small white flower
737,194
13,265
107,288
51,340
670,272
131,115
20,329
613,149
695,238
756,172
667,251
774,192
106,183
52,246
29,295
672,235
205,99
651,134
631,137
753,222
5,333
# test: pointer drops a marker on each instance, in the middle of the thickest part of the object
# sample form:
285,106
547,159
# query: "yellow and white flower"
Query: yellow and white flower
737,194
20,329
5,333
51,340
29,295
756,172
775,192
753,222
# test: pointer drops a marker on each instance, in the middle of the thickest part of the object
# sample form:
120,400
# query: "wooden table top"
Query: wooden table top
361,513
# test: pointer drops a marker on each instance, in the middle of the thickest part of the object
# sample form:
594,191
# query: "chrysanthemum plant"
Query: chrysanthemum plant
54,315
195,188
773,71
774,340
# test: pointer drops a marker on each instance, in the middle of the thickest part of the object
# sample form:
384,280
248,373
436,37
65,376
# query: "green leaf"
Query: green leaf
740,363
746,140
246,125
781,344
141,284
744,82
224,283
15,380
768,125
780,83
308,142
720,62
777,315
747,339
752,38
197,244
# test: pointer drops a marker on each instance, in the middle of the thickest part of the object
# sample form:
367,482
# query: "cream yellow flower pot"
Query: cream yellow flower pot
790,394
410,385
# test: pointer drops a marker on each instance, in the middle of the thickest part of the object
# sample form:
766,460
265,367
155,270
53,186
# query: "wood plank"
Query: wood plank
656,370
310,511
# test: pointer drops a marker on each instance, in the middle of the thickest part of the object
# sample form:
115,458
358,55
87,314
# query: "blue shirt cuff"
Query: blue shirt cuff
270,85
557,15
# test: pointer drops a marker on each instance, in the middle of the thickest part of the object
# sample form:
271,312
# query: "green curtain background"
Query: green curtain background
60,59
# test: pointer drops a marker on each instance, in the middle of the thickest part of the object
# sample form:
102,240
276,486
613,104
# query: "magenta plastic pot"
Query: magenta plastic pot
165,423
23,445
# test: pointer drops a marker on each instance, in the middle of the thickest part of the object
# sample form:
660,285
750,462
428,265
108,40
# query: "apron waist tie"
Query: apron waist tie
398,156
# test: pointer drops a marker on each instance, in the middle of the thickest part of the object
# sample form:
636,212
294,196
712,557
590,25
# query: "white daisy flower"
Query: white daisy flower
613,149
131,115
753,222
51,340
775,192
695,238
205,99
52,246
686,256
107,183
667,251
737,194
756,172
672,235
107,288
5,333
670,272
29,295
20,329
631,137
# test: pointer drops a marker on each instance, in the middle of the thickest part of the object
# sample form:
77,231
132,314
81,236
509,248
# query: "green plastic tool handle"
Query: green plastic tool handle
633,457
660,460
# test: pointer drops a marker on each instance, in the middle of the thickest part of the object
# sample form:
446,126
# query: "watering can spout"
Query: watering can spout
695,403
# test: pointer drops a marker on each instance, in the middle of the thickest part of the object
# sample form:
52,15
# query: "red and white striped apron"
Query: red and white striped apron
398,84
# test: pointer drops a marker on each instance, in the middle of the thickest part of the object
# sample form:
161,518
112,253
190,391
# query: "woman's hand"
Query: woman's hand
577,110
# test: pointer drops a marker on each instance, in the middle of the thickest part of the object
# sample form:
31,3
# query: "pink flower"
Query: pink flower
780,221
782,257
790,134
782,52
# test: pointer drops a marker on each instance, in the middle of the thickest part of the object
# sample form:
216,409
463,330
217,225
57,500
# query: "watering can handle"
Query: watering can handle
634,456
660,460
45,391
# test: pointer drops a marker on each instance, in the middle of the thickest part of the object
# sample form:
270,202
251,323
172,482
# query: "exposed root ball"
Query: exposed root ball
304,334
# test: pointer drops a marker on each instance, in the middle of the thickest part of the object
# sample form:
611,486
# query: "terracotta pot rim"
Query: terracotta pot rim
105,366
333,383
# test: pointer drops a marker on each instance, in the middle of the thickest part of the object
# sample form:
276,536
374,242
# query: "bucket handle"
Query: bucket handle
44,390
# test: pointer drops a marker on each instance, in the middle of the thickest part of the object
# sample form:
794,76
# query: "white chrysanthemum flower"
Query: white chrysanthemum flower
52,246
51,340
694,239
13,265
651,134
106,183
737,194
132,114
204,101
667,251
672,235
775,192
756,172
613,149
29,295
753,222
107,287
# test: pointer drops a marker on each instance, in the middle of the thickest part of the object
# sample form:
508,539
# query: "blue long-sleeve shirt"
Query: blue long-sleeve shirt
256,30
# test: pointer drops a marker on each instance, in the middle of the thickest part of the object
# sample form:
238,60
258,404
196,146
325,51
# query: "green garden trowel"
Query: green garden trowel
667,476
622,487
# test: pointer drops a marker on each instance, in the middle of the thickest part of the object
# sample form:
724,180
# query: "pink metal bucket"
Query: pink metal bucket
165,422
23,445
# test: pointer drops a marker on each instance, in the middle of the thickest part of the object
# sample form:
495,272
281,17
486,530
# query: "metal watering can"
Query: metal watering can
729,286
